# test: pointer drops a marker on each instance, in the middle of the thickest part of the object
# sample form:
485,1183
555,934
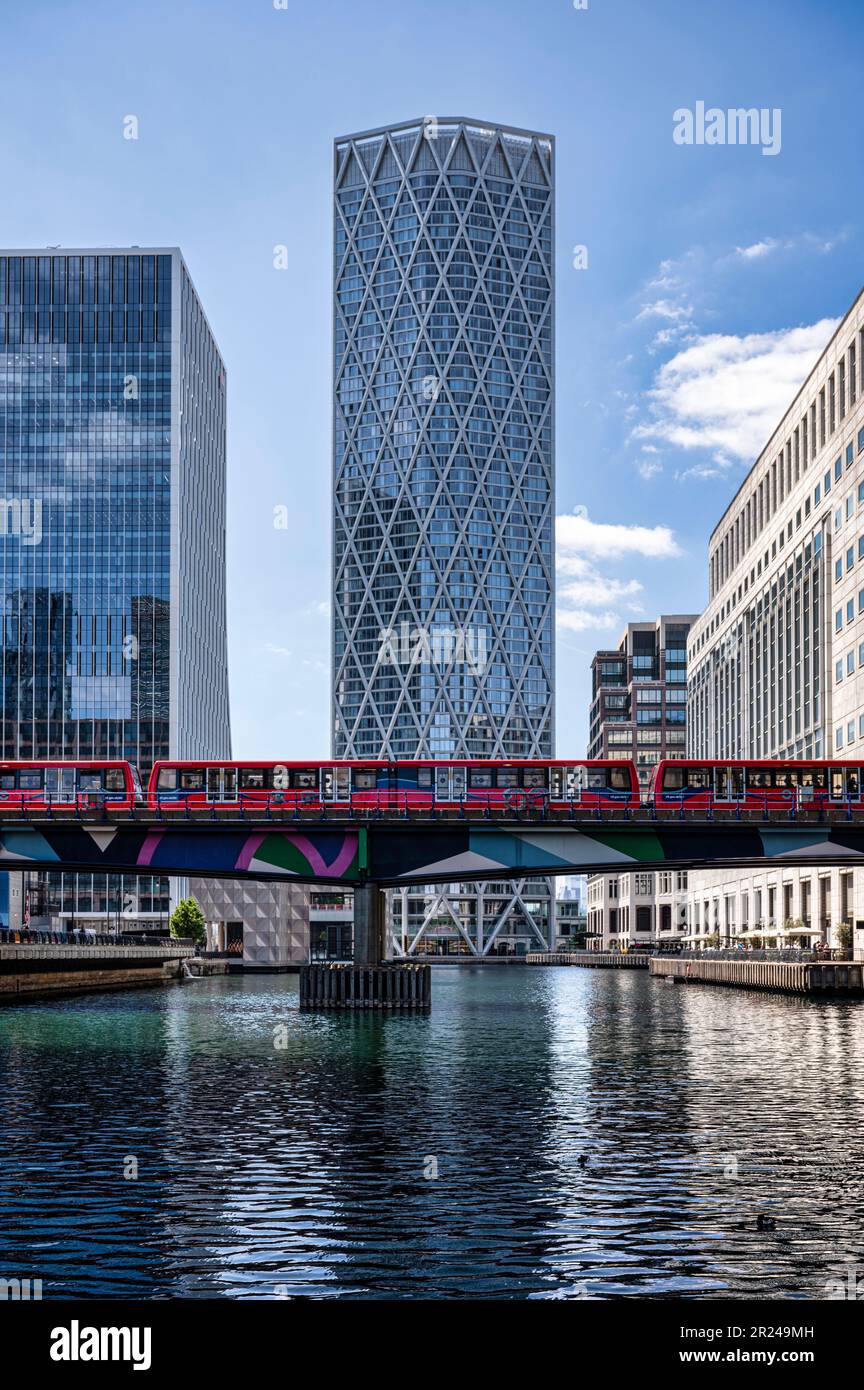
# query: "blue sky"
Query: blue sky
713,275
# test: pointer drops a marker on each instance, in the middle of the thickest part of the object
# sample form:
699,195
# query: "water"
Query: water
270,1170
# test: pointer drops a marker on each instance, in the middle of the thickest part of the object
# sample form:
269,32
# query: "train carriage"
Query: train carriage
84,783
757,783
514,784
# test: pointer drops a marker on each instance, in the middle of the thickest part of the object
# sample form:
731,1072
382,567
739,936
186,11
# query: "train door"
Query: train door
214,784
442,783
836,789
335,783
577,780
59,783
458,782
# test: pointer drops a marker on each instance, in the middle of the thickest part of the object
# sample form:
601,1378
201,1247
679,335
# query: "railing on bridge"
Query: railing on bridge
518,806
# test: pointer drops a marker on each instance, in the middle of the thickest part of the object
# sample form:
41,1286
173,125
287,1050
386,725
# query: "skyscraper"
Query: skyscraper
444,449
112,449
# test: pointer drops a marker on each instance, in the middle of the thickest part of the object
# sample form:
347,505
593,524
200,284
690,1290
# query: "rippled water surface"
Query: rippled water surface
283,1154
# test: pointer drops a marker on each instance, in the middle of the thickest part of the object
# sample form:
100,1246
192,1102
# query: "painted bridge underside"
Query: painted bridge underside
398,852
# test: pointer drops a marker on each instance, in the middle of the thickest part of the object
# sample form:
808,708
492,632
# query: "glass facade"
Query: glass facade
112,525
443,430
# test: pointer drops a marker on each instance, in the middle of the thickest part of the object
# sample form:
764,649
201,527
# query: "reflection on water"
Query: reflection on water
285,1154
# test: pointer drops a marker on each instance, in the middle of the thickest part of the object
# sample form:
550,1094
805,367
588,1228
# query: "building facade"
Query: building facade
776,662
443,592
639,695
112,533
626,911
639,712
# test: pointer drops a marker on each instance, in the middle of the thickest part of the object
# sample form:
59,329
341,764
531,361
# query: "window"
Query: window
114,780
850,663
838,570
838,739
365,781
167,779
478,778
826,483
7,781
424,777
303,777
30,781
251,778
838,671
838,620
850,610
90,782
192,779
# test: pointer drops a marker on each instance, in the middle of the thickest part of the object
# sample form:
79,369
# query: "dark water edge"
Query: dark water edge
282,1154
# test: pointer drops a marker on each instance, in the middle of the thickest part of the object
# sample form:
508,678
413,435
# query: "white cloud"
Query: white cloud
758,251
726,393
664,309
589,600
578,536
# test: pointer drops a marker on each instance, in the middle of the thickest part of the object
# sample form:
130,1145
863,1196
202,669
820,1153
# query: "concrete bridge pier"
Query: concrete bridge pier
370,946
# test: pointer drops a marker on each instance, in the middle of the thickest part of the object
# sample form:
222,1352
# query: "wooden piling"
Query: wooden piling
392,985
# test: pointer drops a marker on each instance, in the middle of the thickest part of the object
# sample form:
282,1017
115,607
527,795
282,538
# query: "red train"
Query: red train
754,783
518,784
86,783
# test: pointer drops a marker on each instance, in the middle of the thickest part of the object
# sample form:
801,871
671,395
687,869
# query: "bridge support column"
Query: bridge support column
369,924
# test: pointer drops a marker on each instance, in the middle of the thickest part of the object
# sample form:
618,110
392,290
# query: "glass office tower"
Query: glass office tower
444,459
112,530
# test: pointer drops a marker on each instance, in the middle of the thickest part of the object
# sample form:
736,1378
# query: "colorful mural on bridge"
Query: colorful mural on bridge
391,852
320,856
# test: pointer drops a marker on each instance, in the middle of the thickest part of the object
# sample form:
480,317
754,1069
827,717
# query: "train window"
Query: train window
7,781
534,777
619,779
595,781
114,780
478,778
699,778
30,781
167,779
252,778
424,776
89,781
364,781
508,778
305,778
673,779
192,779
852,782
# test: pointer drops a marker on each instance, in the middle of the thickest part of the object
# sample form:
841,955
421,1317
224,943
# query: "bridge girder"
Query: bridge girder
397,851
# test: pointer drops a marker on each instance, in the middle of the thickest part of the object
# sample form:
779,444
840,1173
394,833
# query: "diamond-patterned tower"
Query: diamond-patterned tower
443,618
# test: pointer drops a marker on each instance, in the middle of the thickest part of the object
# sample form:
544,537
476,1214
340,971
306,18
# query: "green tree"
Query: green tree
187,920
844,935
